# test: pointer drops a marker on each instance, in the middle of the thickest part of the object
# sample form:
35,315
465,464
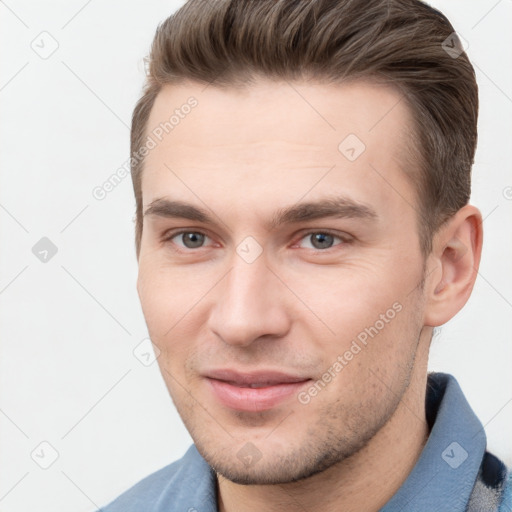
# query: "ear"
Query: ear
453,265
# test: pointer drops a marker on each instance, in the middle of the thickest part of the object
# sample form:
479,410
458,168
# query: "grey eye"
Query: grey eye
321,240
192,240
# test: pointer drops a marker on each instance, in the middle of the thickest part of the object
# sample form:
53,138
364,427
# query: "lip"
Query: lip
231,388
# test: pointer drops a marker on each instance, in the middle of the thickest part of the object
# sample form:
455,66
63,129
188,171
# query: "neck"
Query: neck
364,482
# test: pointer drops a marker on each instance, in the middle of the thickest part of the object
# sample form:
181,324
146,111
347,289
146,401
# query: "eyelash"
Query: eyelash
343,239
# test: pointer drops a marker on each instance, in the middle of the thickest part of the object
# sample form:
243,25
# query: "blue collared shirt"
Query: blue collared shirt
454,472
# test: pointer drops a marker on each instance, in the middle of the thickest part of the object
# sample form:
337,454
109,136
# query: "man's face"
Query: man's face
288,333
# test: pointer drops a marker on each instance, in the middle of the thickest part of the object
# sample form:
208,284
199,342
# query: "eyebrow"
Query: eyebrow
337,207
177,209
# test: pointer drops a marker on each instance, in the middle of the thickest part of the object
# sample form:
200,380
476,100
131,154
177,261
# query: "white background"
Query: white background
69,326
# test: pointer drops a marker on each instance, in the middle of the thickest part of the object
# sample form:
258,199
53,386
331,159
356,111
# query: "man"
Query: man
302,175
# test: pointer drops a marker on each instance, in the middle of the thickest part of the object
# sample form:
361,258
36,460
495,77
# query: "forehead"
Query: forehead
283,135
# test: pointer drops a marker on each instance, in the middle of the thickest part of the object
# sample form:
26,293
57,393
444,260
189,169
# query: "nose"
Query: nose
250,303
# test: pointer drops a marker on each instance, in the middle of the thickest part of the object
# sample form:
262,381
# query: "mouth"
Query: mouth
254,385
255,391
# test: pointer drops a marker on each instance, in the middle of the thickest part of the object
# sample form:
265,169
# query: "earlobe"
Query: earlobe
456,256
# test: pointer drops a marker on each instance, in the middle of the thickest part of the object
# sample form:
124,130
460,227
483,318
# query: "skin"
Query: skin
242,155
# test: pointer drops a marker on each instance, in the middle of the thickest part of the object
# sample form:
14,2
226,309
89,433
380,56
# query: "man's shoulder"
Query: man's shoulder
492,490
175,483
506,498
145,492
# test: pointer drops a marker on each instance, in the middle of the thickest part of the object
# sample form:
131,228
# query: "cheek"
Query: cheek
372,315
348,298
154,299
167,294
174,304
370,361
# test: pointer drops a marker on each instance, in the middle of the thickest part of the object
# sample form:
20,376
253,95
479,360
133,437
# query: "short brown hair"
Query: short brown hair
403,42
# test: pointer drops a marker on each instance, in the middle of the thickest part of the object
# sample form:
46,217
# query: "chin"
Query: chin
295,466
263,476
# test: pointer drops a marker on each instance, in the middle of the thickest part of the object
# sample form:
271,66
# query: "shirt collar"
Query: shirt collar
445,473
